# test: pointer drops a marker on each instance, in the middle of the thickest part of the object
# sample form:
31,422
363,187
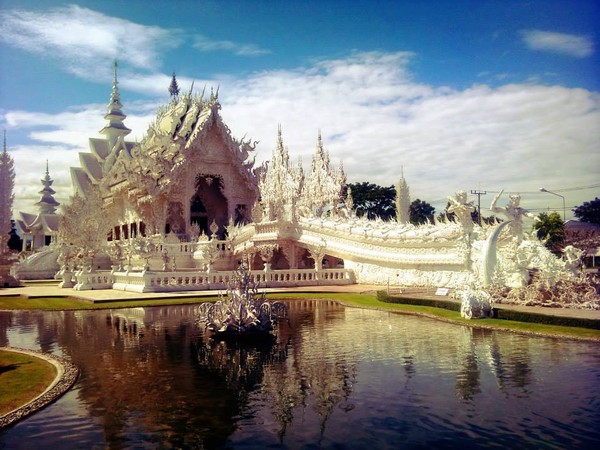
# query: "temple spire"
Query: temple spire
47,203
402,199
114,115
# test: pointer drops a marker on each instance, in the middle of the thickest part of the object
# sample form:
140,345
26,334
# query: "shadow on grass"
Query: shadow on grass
9,367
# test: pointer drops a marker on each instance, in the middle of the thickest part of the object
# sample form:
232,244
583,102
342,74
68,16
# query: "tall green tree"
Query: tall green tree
551,228
372,200
174,88
421,212
589,211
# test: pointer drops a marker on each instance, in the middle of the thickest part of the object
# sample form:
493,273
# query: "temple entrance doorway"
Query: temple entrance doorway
198,214
208,204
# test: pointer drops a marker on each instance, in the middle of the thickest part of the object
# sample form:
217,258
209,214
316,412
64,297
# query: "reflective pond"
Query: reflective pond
336,378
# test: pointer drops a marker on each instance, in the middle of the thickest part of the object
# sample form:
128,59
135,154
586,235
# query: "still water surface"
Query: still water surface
337,378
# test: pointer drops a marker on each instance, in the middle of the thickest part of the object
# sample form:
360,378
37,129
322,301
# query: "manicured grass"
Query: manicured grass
61,303
371,301
22,378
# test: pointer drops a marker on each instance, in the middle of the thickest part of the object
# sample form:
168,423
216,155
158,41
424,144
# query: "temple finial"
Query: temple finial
114,114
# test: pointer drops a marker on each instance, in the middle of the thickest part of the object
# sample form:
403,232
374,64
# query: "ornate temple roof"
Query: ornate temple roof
148,167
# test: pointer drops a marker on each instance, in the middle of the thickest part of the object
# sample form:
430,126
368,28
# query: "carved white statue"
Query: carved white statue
462,209
513,212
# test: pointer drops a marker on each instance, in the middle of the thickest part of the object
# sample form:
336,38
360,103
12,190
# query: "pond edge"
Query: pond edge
67,374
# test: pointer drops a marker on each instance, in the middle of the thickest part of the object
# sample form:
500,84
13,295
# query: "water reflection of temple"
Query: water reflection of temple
149,371
136,365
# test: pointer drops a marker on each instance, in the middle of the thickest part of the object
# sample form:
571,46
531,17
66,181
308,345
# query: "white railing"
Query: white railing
147,281
101,279
181,248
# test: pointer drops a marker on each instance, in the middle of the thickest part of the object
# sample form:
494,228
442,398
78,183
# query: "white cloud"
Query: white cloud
564,44
79,37
204,44
376,119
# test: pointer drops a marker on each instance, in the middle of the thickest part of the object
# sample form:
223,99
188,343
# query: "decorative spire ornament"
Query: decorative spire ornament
47,203
323,187
114,114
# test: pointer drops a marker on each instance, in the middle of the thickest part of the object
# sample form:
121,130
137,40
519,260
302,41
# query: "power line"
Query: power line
578,188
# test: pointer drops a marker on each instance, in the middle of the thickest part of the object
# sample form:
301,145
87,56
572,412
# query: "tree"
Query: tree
14,241
551,228
589,211
373,201
421,212
174,88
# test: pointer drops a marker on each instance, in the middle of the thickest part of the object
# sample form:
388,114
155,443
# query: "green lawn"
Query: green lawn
62,303
22,378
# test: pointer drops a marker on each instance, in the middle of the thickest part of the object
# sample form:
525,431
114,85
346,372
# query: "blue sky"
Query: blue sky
459,94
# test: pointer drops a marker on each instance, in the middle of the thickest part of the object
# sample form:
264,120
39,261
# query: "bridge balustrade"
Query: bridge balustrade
149,281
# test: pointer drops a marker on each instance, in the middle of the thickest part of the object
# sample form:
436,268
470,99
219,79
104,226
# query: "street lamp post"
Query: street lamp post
563,200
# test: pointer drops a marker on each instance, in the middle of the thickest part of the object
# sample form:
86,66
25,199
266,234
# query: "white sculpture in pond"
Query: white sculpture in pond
475,303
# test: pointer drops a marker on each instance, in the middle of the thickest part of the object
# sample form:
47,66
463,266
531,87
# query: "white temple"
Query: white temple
186,205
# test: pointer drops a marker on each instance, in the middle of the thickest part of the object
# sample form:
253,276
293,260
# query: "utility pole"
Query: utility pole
478,194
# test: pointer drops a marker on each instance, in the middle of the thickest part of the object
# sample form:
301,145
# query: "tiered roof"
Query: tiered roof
46,221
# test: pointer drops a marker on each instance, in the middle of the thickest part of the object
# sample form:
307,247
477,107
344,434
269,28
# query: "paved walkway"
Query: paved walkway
50,289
